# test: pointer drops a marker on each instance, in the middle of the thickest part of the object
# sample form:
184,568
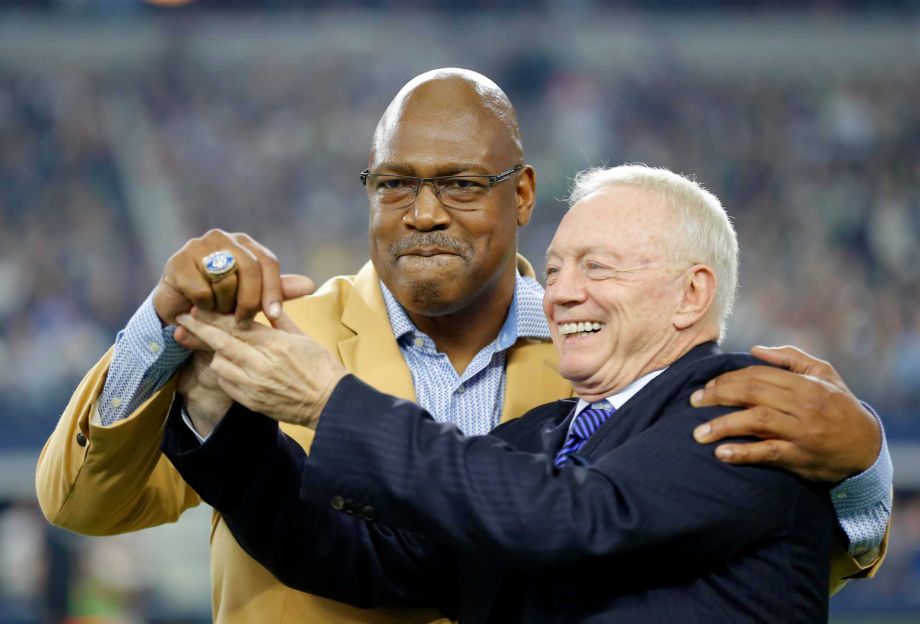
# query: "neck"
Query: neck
655,358
462,334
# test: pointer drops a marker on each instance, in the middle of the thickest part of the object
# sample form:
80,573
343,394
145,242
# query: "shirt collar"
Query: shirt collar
525,315
617,400
399,320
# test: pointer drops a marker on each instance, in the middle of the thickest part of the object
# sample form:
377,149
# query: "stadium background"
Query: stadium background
126,129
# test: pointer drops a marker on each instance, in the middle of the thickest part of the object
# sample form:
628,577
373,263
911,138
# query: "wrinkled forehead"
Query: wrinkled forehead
620,221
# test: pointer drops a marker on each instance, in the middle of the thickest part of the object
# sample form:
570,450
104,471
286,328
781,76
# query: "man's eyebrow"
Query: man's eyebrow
581,251
444,169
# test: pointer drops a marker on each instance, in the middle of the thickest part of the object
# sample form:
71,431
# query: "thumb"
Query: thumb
790,358
284,323
294,286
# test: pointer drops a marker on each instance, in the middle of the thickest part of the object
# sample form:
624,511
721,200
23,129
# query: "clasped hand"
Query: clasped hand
279,372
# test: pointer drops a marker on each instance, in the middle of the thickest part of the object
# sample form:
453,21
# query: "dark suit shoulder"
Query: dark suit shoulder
705,361
670,391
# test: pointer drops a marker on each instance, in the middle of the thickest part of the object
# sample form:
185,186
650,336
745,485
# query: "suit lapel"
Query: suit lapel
372,353
554,430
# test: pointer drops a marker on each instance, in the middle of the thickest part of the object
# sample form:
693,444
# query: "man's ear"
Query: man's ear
699,292
526,195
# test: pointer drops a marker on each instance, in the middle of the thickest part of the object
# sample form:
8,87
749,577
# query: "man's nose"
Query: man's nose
567,287
427,212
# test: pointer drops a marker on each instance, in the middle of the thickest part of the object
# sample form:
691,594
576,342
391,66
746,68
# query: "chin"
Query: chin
436,298
574,373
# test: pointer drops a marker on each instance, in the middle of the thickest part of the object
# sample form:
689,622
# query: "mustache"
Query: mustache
431,239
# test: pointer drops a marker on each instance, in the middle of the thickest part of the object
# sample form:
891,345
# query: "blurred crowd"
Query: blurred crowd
820,175
68,253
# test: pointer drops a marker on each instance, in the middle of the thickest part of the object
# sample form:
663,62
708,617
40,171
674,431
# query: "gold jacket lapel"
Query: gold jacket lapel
372,353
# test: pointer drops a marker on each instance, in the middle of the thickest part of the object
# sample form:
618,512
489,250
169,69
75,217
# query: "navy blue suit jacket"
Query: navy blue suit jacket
645,525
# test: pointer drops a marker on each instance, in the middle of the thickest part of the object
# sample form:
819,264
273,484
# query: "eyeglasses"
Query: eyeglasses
459,192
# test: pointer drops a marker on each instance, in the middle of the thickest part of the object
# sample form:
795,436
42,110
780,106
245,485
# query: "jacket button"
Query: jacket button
337,502
81,439
369,512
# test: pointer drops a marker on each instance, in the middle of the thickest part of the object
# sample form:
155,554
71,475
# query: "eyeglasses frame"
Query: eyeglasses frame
493,180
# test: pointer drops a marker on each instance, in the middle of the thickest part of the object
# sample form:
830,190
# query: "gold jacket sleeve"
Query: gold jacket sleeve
105,480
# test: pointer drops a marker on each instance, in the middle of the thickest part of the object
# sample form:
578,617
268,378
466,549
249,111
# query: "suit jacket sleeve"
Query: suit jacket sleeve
660,492
280,510
105,480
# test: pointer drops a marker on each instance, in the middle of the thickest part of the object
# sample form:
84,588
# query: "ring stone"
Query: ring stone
219,265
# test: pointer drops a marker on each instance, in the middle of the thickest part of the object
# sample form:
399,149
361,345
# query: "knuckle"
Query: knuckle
772,452
762,416
176,258
753,386
247,260
271,263
200,294
741,453
269,257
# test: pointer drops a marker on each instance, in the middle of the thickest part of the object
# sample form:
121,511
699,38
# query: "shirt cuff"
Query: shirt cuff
188,421
863,505
146,356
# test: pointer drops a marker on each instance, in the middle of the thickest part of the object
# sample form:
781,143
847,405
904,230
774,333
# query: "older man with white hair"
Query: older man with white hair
604,509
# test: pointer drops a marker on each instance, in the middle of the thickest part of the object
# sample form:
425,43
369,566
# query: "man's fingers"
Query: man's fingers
284,323
249,284
769,452
186,278
228,370
296,286
218,339
758,422
250,333
189,341
224,322
754,385
225,294
790,358
225,291
270,268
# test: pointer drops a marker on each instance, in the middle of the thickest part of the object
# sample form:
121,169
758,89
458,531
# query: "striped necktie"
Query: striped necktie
585,424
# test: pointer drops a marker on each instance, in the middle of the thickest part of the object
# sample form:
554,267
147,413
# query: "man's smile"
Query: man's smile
579,329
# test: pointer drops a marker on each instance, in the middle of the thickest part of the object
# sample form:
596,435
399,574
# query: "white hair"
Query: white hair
705,233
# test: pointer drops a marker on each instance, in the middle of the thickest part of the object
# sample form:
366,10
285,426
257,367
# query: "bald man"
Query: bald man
445,314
